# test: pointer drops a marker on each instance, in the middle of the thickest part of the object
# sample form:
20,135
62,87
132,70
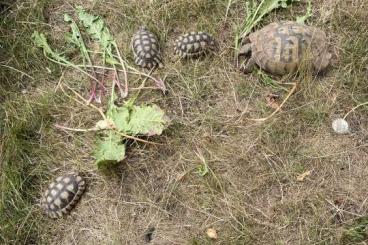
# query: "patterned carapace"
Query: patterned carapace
62,195
146,50
280,48
194,44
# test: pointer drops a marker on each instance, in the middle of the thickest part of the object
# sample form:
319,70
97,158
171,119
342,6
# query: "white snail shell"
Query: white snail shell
340,126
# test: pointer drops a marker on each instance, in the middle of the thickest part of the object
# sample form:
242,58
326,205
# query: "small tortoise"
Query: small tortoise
62,195
194,44
280,48
145,49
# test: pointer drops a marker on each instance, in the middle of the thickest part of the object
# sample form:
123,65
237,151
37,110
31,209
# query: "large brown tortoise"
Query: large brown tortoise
281,47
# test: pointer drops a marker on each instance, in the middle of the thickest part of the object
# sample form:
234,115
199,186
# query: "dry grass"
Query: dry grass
251,194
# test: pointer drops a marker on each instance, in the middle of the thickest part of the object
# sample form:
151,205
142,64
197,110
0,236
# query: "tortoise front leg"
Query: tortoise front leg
248,66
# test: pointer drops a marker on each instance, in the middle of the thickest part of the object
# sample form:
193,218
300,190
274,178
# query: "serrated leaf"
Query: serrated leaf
76,38
138,120
95,26
110,150
40,41
146,120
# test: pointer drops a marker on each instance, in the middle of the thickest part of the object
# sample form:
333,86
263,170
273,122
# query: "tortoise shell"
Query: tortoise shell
62,195
145,49
280,48
193,44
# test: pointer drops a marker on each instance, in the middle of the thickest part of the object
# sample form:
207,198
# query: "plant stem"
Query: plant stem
365,103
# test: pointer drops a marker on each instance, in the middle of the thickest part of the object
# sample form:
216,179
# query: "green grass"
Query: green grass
24,123
357,232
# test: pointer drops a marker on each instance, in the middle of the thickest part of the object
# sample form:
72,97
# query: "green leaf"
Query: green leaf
202,169
120,116
112,61
40,41
138,120
308,14
256,13
110,150
96,27
268,81
76,38
146,120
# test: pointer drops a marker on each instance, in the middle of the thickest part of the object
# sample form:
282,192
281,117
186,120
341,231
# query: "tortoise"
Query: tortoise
194,44
146,50
282,47
62,195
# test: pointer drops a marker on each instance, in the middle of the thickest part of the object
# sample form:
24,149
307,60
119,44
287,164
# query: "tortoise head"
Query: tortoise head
322,61
214,45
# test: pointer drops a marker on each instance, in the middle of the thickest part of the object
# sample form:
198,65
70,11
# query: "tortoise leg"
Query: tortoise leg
245,50
248,66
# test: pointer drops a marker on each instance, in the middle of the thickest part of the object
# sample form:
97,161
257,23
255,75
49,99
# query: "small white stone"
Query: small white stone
340,126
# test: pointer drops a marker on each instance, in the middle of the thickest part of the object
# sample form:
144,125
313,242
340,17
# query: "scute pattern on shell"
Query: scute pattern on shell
145,49
193,44
62,195
280,47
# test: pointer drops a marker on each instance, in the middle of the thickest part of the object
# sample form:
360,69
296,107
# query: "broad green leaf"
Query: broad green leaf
110,150
120,116
137,120
146,120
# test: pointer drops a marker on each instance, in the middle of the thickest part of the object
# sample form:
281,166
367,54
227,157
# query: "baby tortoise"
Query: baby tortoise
145,49
62,195
280,48
194,44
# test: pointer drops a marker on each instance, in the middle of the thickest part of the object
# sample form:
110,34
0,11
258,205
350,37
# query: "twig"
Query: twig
135,71
228,8
140,88
15,69
137,139
124,70
91,105
94,129
76,129
365,103
77,67
278,108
